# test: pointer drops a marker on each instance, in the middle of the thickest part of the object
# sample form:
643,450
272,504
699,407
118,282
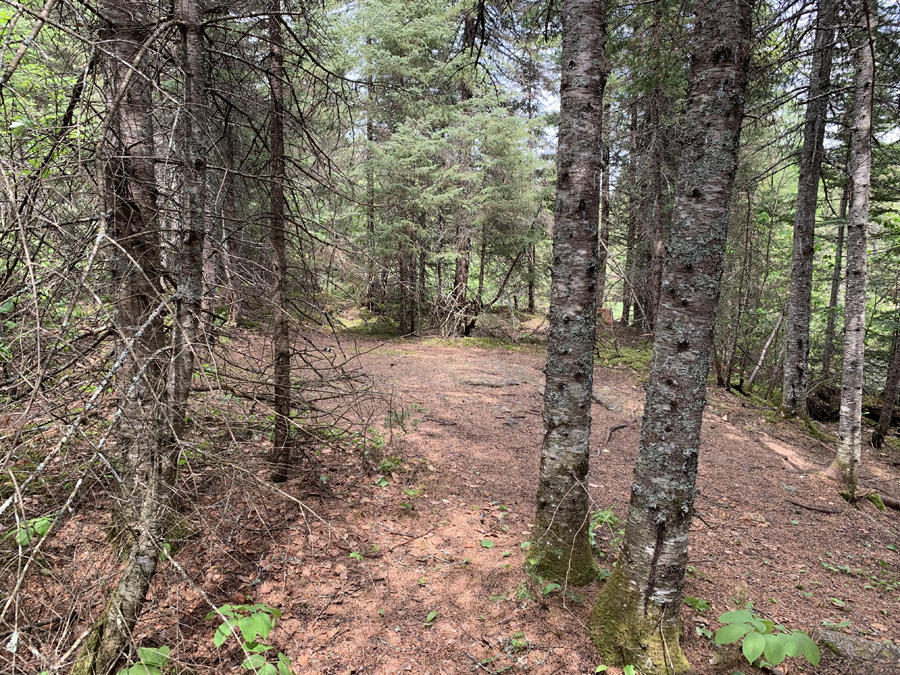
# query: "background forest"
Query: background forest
211,213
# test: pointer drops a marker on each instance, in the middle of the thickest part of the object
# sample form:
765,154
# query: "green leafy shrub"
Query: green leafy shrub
152,662
765,643
254,622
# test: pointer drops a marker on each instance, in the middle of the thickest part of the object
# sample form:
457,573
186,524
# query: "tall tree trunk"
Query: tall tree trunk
229,220
828,348
560,548
603,250
637,618
657,243
796,359
532,274
850,429
193,205
633,208
892,386
281,339
143,439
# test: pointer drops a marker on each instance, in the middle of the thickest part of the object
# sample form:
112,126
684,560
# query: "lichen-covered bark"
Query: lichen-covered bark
890,396
637,617
849,436
560,548
146,459
796,357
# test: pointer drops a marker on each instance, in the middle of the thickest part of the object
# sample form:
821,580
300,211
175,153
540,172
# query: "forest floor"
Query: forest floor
416,565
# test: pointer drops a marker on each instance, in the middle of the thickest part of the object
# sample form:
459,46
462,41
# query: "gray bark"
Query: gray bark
633,206
188,305
891,387
850,429
828,348
560,547
229,218
603,250
796,359
637,617
281,342
143,442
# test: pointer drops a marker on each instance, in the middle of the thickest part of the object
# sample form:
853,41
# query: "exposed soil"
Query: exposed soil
443,532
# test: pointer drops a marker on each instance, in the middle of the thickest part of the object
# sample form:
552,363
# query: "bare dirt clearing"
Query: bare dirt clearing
441,528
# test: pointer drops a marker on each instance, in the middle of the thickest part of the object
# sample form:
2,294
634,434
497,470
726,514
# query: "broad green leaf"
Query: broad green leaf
791,645
770,625
432,615
268,669
775,651
759,626
740,616
247,626
223,632
628,670
263,623
254,661
732,633
753,646
256,648
487,543
808,647
154,656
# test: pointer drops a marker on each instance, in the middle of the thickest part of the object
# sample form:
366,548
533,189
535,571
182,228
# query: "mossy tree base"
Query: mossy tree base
567,566
623,635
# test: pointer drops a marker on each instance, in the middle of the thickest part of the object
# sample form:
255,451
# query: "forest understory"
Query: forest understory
408,555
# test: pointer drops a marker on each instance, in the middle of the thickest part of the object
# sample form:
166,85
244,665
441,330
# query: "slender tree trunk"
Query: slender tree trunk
532,273
637,618
281,339
828,348
372,287
892,386
461,281
850,432
229,220
481,262
633,207
143,437
657,243
796,360
765,350
185,337
603,250
560,547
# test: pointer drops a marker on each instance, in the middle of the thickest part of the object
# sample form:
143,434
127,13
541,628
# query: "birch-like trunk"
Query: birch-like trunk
281,341
891,387
796,359
850,429
143,439
637,619
560,548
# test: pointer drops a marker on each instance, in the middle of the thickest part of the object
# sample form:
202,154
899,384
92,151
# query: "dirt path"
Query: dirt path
444,535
